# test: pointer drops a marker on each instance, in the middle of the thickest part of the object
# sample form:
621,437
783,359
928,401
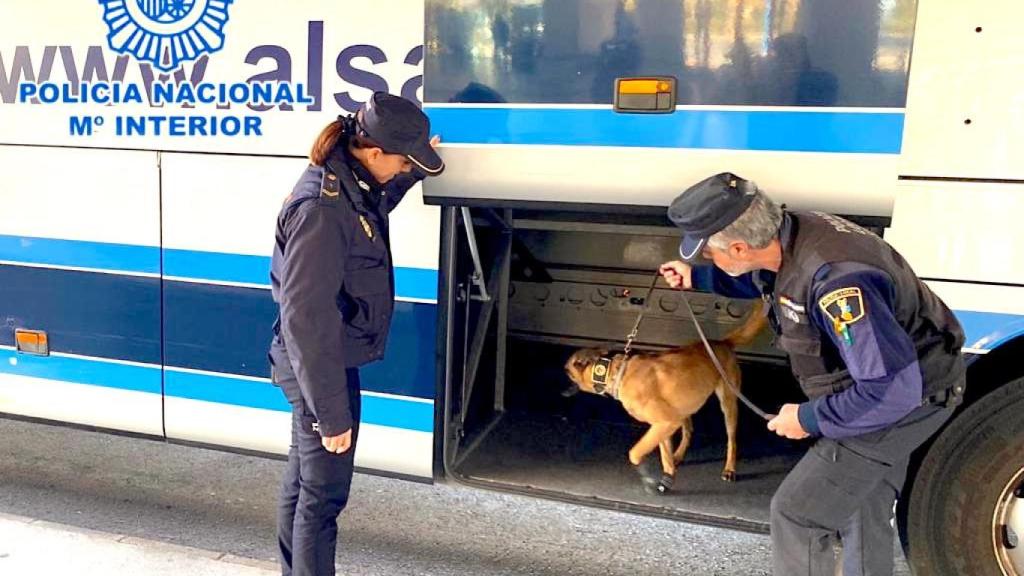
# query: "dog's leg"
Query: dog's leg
668,466
684,443
650,440
657,436
730,409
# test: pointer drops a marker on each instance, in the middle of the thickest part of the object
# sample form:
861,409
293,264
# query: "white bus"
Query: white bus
146,147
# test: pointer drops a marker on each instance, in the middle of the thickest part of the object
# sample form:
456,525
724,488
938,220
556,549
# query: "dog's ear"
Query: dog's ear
586,357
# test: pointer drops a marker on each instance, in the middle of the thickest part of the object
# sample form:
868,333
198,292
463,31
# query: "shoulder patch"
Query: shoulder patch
843,306
329,186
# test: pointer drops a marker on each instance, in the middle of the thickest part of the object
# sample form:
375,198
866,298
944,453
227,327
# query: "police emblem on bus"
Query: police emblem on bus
166,33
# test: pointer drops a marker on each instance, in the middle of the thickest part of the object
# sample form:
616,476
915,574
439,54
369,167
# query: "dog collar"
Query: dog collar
599,373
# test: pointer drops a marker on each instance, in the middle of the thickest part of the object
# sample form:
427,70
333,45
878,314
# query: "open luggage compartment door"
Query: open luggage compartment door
557,281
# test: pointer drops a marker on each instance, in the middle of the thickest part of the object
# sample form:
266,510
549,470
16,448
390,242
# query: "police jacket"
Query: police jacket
867,340
333,280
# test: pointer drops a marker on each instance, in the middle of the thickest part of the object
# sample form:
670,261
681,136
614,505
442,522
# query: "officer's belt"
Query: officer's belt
952,396
836,382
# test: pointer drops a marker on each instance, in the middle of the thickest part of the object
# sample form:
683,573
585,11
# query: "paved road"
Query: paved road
224,503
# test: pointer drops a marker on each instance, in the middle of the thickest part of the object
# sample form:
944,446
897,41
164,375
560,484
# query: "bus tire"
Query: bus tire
971,480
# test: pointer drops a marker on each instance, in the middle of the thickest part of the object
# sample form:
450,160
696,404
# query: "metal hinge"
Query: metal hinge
478,271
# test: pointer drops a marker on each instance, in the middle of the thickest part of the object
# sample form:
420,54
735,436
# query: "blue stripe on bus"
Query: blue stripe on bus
383,411
988,330
227,329
213,328
100,315
82,371
418,283
79,254
797,131
216,266
225,390
208,327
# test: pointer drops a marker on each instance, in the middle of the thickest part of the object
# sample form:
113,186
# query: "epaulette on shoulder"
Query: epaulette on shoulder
330,187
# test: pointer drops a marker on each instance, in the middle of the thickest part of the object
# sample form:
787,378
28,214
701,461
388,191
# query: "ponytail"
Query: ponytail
329,139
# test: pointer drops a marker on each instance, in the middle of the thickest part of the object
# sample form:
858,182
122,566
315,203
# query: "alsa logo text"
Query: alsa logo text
36,64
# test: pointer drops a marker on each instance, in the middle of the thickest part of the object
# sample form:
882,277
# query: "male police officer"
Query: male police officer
877,353
333,279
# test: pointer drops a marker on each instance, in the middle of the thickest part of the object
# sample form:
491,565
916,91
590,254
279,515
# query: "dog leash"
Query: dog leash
700,331
643,310
604,363
718,365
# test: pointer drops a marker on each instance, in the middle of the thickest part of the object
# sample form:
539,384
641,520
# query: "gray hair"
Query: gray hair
757,226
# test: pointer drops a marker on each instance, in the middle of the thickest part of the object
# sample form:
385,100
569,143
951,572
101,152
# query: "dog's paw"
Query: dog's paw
665,484
729,476
658,487
654,480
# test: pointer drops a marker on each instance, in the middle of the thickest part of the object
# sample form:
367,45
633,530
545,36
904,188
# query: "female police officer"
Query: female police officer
333,280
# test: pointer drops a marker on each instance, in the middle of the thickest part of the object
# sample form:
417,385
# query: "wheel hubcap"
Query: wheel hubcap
1008,527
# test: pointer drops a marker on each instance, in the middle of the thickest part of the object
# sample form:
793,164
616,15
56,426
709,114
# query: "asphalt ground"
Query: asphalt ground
166,501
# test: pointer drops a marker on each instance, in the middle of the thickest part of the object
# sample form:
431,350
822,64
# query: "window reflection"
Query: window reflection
724,52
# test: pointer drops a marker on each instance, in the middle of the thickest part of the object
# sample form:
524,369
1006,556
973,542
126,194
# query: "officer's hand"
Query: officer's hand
435,141
677,274
338,444
787,424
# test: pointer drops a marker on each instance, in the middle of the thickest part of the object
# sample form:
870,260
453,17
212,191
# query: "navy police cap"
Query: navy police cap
400,127
707,208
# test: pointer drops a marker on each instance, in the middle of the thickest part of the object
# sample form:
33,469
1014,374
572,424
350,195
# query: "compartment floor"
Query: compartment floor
588,459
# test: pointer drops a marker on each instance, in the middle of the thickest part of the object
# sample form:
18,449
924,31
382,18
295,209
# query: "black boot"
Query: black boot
654,479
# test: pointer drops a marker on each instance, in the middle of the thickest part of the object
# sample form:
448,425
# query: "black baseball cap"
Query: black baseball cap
707,208
400,127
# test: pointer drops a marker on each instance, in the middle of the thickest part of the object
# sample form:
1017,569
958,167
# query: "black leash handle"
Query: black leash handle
718,365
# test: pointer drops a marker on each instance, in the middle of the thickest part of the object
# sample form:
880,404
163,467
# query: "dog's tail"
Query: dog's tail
750,329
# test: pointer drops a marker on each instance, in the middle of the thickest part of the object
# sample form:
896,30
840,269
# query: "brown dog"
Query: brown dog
665,389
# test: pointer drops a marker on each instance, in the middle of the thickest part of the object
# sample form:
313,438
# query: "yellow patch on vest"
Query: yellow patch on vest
844,306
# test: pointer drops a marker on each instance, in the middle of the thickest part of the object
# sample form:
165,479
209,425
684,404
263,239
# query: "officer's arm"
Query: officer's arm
394,191
311,324
878,352
710,279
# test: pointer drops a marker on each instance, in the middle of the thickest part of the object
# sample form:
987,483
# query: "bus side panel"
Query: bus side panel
805,98
219,215
80,259
963,107
964,237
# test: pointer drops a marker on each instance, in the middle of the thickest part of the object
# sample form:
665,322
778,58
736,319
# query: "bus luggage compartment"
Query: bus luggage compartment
550,282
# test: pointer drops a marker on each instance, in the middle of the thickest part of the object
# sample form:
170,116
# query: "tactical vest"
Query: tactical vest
817,239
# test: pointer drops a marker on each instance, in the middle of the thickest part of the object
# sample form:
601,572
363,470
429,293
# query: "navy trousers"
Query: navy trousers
847,489
314,490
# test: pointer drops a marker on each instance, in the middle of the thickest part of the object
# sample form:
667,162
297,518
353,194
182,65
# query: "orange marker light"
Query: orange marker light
639,86
32,342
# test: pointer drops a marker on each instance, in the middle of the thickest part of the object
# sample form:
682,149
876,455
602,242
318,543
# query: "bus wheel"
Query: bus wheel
966,509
